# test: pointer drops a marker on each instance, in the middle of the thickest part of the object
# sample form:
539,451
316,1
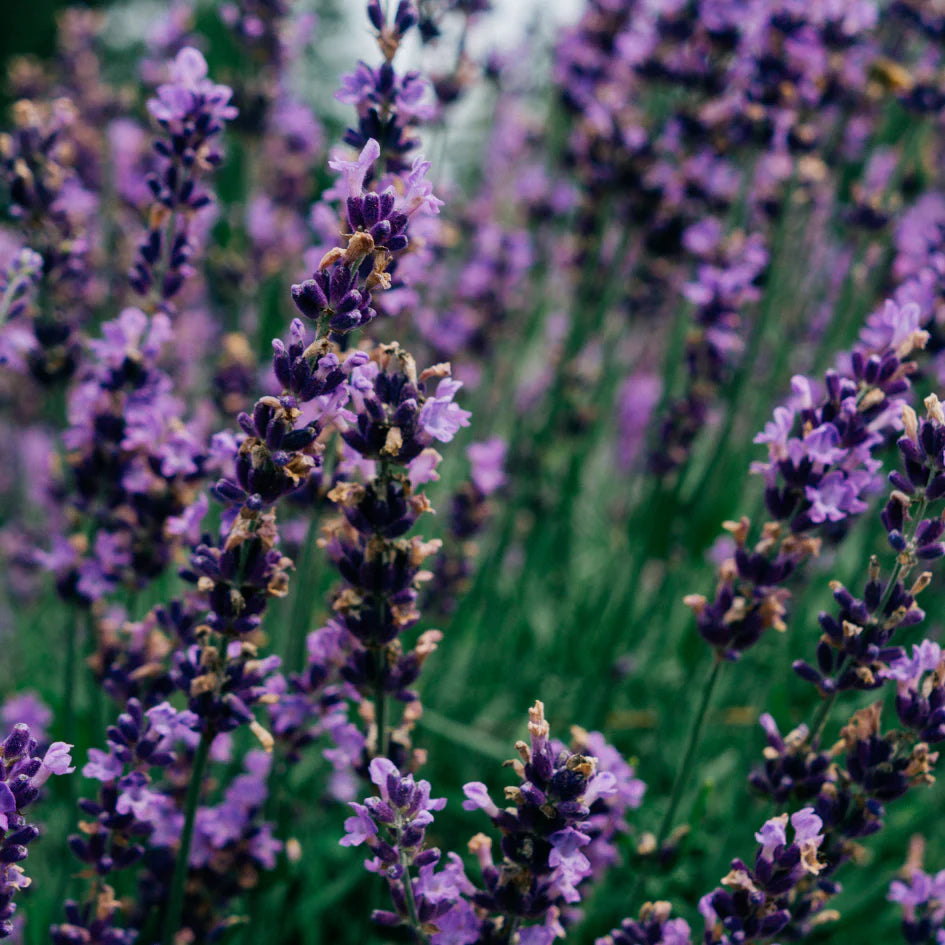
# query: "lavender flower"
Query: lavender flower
544,836
387,103
858,644
754,904
191,110
56,213
920,690
23,772
654,927
810,479
133,462
921,896
127,809
393,826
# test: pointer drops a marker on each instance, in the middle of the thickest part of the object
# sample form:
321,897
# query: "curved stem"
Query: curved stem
176,899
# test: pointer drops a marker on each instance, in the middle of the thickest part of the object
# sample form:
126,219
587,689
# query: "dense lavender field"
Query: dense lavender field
474,475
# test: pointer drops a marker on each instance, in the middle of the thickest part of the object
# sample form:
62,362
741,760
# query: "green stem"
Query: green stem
682,774
695,737
176,900
380,695
300,615
823,712
96,693
411,902
511,927
68,687
380,717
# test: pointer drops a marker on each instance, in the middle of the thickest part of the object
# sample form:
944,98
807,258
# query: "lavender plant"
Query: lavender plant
669,264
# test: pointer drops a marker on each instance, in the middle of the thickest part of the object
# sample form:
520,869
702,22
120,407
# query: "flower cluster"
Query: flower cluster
753,906
818,477
191,111
128,809
49,201
23,772
921,896
132,461
565,816
393,825
387,103
858,643
545,835
393,423
275,457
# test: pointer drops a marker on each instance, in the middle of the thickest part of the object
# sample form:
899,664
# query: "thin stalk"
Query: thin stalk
823,712
695,737
511,927
300,615
68,685
380,695
380,718
682,774
96,693
411,902
176,900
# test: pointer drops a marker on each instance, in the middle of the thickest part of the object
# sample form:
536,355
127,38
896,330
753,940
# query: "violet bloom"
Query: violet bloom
22,773
654,927
545,836
921,896
191,110
920,691
132,461
441,418
388,103
819,476
393,826
487,460
755,903
338,295
27,707
860,642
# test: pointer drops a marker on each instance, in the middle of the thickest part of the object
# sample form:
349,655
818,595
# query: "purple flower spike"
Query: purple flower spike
22,773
